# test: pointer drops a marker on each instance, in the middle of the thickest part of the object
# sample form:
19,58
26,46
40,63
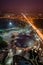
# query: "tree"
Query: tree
3,44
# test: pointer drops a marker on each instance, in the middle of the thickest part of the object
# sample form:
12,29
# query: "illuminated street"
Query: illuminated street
21,32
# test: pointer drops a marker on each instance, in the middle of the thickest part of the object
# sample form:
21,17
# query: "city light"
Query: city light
33,26
10,23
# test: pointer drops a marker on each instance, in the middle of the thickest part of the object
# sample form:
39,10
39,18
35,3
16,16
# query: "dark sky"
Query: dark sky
21,5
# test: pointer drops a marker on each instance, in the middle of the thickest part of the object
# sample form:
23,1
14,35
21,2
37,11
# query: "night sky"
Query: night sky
21,5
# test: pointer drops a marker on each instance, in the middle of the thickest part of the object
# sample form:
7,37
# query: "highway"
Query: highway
33,26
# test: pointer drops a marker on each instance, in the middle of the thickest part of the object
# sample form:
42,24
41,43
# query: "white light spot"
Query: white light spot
10,23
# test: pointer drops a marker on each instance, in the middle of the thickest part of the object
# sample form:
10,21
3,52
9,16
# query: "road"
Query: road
33,26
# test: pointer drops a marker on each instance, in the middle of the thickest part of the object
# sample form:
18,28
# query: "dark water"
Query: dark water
7,23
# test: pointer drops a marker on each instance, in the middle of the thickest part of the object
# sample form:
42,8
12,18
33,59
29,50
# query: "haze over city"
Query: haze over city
21,6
